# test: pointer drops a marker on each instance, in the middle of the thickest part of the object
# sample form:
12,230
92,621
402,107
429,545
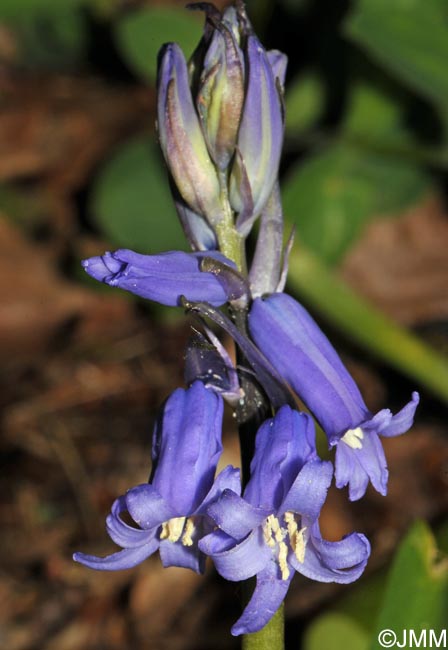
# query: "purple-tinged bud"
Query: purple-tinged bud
260,138
221,93
182,140
164,278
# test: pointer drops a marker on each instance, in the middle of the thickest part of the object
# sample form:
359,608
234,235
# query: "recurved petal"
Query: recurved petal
125,559
235,516
147,508
123,534
163,278
341,562
237,561
356,467
187,557
228,479
265,601
403,420
309,491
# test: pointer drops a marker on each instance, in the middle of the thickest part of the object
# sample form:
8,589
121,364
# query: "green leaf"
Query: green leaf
409,38
334,631
22,8
374,115
48,34
365,325
304,102
332,195
417,591
327,205
141,34
131,200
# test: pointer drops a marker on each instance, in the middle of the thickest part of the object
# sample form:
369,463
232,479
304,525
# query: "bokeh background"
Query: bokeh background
83,367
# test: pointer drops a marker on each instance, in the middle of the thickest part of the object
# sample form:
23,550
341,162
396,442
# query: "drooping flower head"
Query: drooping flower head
170,511
274,530
293,342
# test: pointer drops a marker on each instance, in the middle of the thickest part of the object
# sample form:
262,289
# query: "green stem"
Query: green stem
271,637
251,412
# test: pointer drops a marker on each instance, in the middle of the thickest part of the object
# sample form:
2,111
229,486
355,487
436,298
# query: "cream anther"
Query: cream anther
353,438
172,529
188,532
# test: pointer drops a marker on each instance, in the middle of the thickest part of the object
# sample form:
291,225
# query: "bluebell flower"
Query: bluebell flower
170,512
163,278
293,342
274,529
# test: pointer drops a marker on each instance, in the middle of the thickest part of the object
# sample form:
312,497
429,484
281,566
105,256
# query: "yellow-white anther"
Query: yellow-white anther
353,438
268,530
172,529
291,524
299,544
188,532
283,560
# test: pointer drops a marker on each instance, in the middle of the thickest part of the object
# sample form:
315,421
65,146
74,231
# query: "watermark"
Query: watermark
413,639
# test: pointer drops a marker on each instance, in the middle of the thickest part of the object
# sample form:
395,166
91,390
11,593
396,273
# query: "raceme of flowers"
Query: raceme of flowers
220,124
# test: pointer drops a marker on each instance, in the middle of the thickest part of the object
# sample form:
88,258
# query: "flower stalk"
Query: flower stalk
220,125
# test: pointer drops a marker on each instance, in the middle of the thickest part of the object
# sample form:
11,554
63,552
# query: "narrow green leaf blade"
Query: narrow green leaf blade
355,317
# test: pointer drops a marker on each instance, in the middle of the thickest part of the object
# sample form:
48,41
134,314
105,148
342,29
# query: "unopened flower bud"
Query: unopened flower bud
221,90
182,140
260,137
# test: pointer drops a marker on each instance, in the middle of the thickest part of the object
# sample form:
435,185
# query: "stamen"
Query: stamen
172,529
282,560
291,524
353,438
297,538
188,532
274,535
299,544
268,530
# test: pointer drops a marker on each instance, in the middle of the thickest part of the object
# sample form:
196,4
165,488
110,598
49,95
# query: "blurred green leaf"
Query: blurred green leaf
22,8
374,115
409,38
334,631
326,203
141,34
333,194
48,34
304,100
131,201
417,590
310,278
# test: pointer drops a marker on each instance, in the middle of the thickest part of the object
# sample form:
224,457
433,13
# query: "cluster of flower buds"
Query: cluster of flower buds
220,123
220,126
